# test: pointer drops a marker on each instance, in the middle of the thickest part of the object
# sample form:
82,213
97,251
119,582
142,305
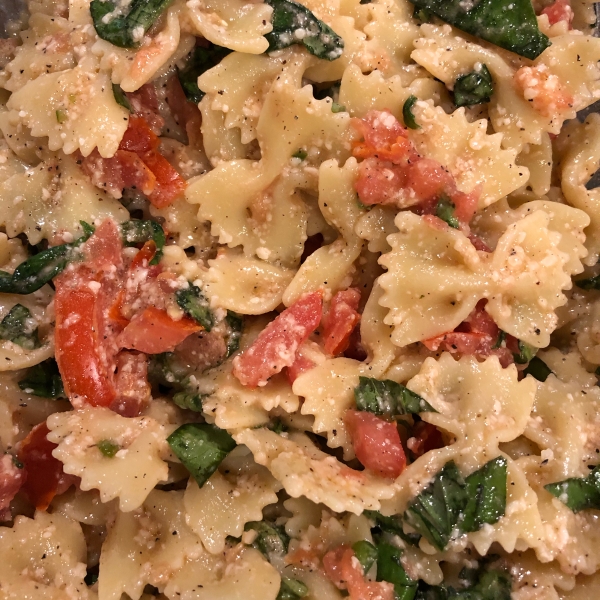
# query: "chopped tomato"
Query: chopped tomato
11,480
380,182
376,443
543,90
343,568
278,343
340,320
560,10
131,383
169,183
428,179
186,113
44,472
139,138
298,367
153,331
425,437
145,104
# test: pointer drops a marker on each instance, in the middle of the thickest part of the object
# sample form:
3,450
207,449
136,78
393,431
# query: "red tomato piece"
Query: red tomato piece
186,113
428,179
560,10
44,472
153,331
340,320
169,183
425,437
277,344
298,367
343,568
376,443
379,128
139,138
380,182
144,102
11,480
131,383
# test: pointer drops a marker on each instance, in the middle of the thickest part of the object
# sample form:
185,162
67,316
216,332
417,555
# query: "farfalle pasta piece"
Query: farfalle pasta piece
131,473
303,470
234,495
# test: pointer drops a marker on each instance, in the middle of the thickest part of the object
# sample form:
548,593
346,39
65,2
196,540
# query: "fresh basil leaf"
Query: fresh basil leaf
108,448
444,210
389,568
195,305
510,24
189,400
486,584
235,325
486,495
593,283
295,24
526,353
538,369
19,327
388,398
277,426
272,540
121,97
38,270
407,114
578,493
201,447
337,108
291,589
393,525
423,15
475,87
200,60
125,29
366,554
300,154
501,338
136,232
43,380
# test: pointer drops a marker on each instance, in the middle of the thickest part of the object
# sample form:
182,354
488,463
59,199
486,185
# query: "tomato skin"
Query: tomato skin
153,331
560,10
298,367
340,321
11,481
425,437
169,183
277,344
376,443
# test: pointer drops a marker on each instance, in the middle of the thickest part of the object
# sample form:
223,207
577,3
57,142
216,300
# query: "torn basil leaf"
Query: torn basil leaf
200,60
473,88
366,554
38,270
235,326
272,540
108,448
390,569
195,305
201,447
291,589
295,24
482,584
43,380
593,283
578,493
136,232
300,154
121,97
393,525
423,15
526,353
510,24
388,398
20,328
407,114
444,210
125,25
538,369
189,400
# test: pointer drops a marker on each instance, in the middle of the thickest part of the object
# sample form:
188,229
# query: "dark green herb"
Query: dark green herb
201,447
500,340
18,327
61,116
538,369
43,380
38,270
388,398
125,30
277,426
526,353
423,15
272,540
121,97
295,24
389,568
337,108
578,493
593,283
235,325
407,114
200,61
17,463
195,305
393,525
189,400
136,232
291,589
91,577
444,210
483,584
108,448
510,24
366,554
301,154
475,87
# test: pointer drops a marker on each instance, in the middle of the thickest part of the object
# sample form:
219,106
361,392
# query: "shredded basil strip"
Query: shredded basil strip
272,540
38,270
423,15
500,340
301,154
235,326
366,554
578,493
121,97
291,589
450,503
393,525
126,30
295,24
19,327
189,400
444,210
538,369
510,24
593,283
407,114
481,584
108,448
136,232
475,87
200,61
390,569
388,398
43,380
195,305
526,353
201,447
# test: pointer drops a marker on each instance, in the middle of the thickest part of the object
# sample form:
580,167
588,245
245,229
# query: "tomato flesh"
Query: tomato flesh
340,321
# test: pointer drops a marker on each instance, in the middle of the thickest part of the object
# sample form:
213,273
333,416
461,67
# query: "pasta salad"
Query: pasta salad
299,299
